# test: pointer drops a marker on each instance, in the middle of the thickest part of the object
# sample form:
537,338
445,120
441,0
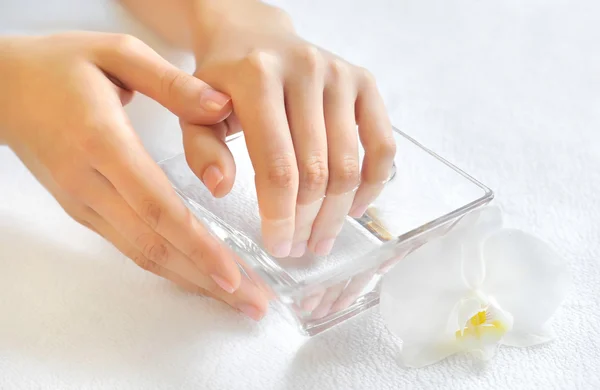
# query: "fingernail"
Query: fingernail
225,285
358,210
298,249
250,311
282,249
211,178
213,101
323,247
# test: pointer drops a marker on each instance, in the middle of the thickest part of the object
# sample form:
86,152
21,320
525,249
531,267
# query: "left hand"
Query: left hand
299,106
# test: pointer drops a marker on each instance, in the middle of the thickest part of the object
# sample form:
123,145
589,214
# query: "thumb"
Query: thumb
139,68
209,157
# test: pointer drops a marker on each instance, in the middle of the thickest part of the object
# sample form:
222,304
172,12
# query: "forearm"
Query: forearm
168,18
7,50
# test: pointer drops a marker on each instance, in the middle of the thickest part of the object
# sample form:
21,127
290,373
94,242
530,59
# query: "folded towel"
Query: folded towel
507,90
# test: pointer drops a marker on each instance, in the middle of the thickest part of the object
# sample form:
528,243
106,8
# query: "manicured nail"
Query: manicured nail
323,247
212,177
225,285
213,101
250,311
358,210
298,249
282,249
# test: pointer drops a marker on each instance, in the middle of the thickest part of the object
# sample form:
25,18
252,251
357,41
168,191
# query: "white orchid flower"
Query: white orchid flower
479,286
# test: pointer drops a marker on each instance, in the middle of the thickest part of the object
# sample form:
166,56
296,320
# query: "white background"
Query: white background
508,90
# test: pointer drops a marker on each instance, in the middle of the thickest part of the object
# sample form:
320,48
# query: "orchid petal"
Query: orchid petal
487,219
523,340
470,233
525,276
419,294
421,355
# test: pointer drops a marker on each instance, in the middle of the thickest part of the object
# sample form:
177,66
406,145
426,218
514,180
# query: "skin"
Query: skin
81,147
299,105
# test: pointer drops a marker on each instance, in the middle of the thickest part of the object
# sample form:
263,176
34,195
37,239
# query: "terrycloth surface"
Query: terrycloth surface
508,90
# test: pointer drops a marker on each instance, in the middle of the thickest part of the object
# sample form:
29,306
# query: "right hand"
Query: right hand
61,111
304,112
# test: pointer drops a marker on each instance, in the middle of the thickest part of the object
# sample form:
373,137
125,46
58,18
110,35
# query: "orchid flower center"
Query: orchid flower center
484,327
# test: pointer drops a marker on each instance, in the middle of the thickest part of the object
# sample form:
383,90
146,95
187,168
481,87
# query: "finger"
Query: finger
330,296
261,112
233,125
377,138
353,290
139,68
344,175
104,199
122,160
209,157
304,105
310,303
247,299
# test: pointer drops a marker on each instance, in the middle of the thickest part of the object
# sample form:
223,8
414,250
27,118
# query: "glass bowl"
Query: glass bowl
423,199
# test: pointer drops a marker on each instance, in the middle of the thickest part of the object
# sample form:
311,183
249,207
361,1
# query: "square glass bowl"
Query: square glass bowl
423,199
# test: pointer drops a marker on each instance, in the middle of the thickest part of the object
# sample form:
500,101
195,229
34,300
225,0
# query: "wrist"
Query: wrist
212,19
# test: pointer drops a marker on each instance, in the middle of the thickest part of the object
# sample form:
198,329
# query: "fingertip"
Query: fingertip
277,236
226,185
209,112
251,311
366,194
224,284
199,103
209,157
214,101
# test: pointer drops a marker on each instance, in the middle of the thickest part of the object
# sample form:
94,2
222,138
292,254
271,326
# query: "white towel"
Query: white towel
507,90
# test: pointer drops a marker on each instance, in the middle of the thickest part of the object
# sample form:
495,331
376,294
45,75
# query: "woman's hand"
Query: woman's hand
61,111
299,107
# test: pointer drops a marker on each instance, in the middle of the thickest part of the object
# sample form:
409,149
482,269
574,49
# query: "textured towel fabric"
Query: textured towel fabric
507,90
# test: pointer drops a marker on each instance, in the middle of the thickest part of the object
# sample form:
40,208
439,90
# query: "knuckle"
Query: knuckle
385,148
84,223
76,215
314,173
366,77
79,213
125,44
156,252
144,263
310,57
281,172
346,174
94,145
197,255
140,261
280,16
259,66
172,81
258,61
94,141
338,69
151,213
